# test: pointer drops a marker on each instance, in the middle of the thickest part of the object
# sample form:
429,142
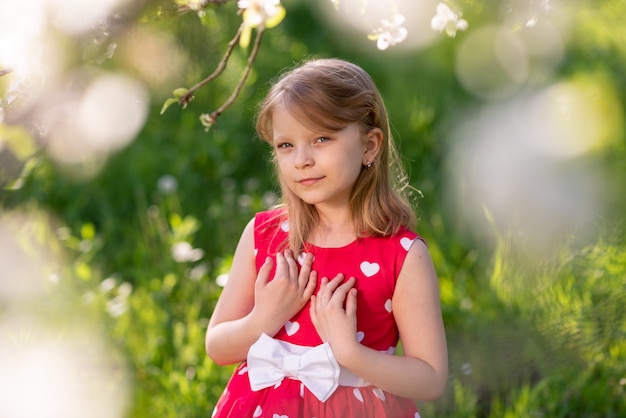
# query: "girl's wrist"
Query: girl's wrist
347,354
262,324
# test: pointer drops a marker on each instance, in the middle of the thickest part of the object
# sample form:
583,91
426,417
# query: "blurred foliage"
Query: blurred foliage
532,336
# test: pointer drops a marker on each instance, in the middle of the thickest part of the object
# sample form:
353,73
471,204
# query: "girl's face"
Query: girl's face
319,167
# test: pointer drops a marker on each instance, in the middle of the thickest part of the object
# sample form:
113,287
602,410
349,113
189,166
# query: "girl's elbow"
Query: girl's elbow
213,353
437,388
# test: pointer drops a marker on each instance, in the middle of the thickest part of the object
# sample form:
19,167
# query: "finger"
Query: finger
351,303
326,290
331,285
341,292
264,271
291,263
310,286
305,270
281,266
313,310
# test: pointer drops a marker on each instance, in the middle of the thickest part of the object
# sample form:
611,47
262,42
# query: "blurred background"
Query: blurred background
118,220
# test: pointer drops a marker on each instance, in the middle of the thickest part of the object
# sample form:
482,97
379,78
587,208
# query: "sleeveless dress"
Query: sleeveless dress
375,262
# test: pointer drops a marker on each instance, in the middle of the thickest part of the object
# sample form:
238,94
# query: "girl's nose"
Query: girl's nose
304,159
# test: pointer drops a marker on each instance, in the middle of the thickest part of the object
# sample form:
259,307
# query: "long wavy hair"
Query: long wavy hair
330,94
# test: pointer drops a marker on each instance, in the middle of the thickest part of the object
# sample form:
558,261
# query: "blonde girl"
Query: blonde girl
324,286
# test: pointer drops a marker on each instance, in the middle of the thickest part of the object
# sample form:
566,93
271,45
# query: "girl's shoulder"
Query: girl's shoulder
404,235
270,218
271,229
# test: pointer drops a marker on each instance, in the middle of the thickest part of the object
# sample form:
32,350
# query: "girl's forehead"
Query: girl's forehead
308,117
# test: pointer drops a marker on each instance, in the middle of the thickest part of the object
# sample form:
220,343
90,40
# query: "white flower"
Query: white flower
257,12
466,369
446,19
116,306
183,252
221,279
195,5
125,289
390,33
167,184
198,272
107,285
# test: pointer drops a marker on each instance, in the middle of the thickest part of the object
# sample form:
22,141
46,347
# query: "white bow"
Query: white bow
271,360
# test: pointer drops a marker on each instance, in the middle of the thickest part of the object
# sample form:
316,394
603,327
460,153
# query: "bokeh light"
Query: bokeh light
525,166
22,25
26,263
497,61
91,123
77,16
52,373
492,63
143,47
54,362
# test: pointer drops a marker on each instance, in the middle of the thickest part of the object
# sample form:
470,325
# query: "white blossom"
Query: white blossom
446,19
389,33
221,279
199,271
167,184
116,306
258,12
107,285
183,252
125,289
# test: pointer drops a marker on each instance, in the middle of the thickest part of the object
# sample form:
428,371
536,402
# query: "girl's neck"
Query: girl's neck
334,229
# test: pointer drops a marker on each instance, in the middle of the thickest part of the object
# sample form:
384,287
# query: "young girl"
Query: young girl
323,286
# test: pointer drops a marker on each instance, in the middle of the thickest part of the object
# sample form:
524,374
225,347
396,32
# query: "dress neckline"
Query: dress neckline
346,246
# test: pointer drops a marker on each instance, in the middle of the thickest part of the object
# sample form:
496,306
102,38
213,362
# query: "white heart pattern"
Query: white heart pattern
291,327
360,335
279,416
285,226
417,415
301,258
388,305
379,394
369,269
406,243
258,411
357,394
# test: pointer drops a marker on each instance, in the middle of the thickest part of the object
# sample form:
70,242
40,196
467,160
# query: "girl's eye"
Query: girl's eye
322,139
283,145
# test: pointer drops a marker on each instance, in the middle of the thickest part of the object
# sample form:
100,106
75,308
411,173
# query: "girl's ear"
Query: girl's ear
373,143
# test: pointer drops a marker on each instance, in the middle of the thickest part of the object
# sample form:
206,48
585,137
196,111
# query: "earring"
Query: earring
368,164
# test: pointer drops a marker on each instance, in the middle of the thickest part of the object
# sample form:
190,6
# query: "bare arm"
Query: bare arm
421,373
251,304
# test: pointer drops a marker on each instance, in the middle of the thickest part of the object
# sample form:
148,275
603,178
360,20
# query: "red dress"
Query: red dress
375,262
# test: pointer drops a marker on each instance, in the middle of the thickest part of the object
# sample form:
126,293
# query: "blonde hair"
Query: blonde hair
331,94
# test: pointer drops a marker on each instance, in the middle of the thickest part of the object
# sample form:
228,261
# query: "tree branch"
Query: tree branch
5,71
209,120
187,97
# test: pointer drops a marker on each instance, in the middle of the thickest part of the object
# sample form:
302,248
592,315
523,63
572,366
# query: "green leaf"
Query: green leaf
168,103
180,92
88,231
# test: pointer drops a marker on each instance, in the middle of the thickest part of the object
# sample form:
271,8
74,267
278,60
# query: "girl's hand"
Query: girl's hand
334,323
278,300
